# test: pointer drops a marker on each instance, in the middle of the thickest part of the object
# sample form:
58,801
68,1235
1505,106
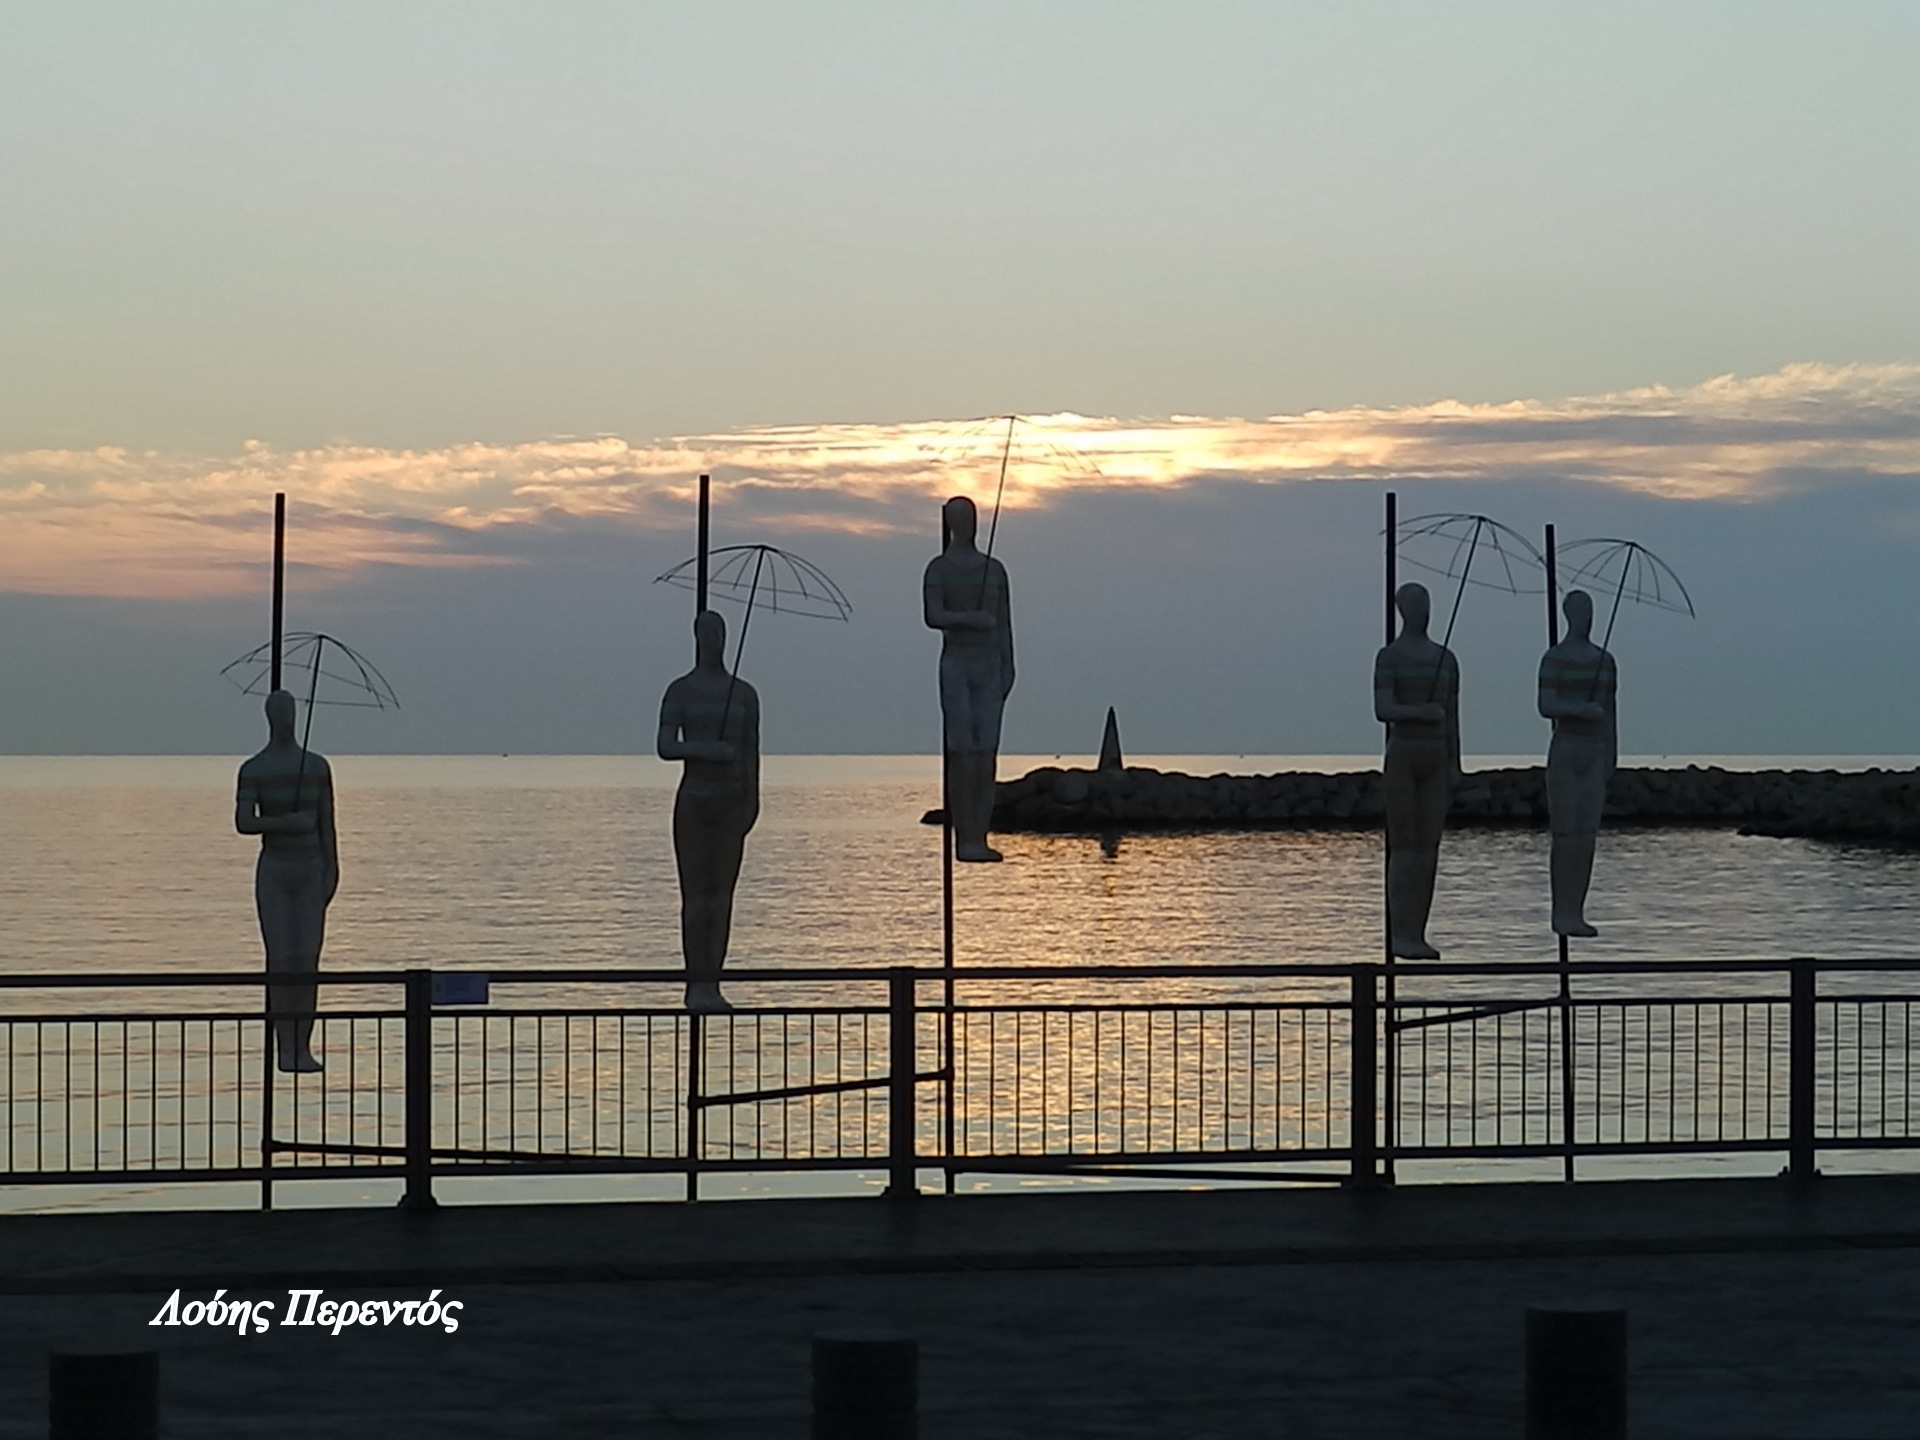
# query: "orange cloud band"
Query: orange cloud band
117,522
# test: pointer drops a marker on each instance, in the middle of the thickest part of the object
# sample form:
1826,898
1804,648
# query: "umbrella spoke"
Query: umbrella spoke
353,681
350,680
1448,544
1008,443
767,576
763,575
1625,570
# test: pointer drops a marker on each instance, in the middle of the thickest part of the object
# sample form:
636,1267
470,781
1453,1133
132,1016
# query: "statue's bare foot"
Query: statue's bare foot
1575,928
305,1063
977,854
1414,950
706,999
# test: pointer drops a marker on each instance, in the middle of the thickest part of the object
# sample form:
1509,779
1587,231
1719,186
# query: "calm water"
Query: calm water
498,863
132,863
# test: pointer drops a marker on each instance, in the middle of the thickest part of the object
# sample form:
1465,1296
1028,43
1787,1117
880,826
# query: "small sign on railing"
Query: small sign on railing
459,988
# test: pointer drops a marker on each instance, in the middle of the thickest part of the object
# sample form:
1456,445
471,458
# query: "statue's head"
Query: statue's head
709,639
1414,604
1578,607
963,521
279,709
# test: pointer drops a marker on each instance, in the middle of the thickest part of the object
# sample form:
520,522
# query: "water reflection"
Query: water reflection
505,869
516,874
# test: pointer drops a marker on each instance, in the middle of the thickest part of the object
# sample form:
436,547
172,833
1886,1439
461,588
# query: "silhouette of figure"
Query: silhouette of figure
1577,691
285,796
965,598
710,720
1416,693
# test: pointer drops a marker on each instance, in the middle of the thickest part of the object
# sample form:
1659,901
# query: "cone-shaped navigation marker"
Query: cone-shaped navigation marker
1110,744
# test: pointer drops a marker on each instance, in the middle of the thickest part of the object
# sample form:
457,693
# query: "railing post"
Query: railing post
696,1106
267,1121
902,1132
418,1041
1363,1088
1569,1114
1801,1032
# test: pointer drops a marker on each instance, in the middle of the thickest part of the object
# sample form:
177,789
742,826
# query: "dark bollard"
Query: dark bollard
866,1385
104,1397
1576,1372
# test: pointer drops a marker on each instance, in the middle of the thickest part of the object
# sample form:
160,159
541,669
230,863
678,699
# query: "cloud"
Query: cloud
119,522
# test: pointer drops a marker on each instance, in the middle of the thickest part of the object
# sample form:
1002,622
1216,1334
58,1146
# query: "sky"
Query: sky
483,287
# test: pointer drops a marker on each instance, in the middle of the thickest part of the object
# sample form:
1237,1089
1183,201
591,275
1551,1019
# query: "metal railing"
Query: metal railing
1203,1072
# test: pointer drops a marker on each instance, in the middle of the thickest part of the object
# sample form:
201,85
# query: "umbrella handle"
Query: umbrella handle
740,646
313,689
1459,594
1614,614
993,527
1593,691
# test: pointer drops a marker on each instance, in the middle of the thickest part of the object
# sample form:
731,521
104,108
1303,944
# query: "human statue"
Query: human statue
710,719
1577,685
285,797
1416,693
965,597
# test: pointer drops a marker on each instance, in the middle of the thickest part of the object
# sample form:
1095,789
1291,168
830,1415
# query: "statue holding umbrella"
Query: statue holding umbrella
1578,687
964,595
710,721
1416,694
285,796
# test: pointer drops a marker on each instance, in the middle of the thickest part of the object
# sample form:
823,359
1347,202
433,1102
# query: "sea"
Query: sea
503,862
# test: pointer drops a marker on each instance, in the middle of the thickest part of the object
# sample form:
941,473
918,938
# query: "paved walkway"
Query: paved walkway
1758,1309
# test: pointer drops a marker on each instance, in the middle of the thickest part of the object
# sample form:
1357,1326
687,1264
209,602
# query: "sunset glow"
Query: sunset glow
123,523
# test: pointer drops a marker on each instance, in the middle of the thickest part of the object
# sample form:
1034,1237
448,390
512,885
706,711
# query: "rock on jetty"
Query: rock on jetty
1872,805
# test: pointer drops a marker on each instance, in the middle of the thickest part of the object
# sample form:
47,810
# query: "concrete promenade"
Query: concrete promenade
1758,1310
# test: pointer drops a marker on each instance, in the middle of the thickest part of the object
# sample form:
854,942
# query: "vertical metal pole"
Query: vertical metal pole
266,1101
696,1130
902,1138
1363,1082
1366,1080
946,915
1393,556
1567,1072
1566,1064
1553,591
1566,969
696,1038
700,571
1386,905
1801,1033
279,581
418,1043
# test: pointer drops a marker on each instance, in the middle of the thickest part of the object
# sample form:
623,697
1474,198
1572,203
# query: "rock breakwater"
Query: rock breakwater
1873,805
